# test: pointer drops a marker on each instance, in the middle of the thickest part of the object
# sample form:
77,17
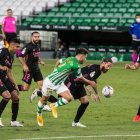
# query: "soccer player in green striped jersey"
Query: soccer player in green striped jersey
55,82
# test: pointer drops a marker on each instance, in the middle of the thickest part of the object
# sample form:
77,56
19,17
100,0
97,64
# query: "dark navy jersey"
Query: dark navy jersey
6,59
90,72
31,53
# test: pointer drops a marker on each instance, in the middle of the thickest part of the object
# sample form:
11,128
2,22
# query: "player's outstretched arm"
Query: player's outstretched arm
22,61
132,67
95,97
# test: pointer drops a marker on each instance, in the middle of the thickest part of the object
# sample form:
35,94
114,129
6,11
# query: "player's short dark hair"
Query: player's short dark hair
35,32
82,51
9,9
15,40
107,60
137,15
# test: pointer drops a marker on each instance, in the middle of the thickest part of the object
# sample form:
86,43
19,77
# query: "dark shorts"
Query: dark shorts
10,36
6,84
77,91
135,45
36,75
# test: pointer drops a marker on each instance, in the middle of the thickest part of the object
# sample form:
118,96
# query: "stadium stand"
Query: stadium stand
91,12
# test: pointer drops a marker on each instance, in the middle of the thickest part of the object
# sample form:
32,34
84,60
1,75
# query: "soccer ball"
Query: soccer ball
107,91
114,59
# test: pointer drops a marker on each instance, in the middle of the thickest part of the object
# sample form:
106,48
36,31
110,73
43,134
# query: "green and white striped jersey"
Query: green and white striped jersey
66,67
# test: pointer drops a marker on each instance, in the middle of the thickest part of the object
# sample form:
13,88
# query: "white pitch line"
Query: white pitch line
73,137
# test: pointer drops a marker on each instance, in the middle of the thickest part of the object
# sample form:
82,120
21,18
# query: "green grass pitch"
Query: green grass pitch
109,120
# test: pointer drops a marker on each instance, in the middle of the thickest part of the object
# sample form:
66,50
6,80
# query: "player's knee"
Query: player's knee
85,103
69,98
7,98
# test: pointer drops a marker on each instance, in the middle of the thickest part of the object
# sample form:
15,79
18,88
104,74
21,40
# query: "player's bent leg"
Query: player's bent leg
66,97
24,87
15,108
80,111
40,106
6,97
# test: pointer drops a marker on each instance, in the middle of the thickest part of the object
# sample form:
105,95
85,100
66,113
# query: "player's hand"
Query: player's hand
3,36
42,62
127,66
95,98
25,68
134,37
4,68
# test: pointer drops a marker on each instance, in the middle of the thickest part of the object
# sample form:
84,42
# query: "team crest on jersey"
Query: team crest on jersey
92,74
23,51
79,71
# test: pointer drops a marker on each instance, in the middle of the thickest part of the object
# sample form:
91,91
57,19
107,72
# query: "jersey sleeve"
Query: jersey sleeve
1,54
24,51
3,21
77,70
62,60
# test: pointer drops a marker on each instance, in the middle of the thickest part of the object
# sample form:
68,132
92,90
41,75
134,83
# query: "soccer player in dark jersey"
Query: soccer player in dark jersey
134,67
29,58
8,86
76,87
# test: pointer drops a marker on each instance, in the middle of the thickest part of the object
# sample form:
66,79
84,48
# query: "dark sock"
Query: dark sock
15,107
52,99
138,111
3,104
80,112
39,93
20,87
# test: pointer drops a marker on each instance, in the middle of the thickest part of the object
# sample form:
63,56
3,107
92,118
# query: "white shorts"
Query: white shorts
48,87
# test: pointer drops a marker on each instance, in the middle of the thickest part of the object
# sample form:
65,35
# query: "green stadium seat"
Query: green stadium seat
91,56
92,5
130,1
67,14
113,10
135,5
72,9
122,10
55,9
104,21
76,14
105,1
59,14
105,10
88,10
80,10
109,14
96,1
63,9
126,5
117,5
42,14
45,20
75,4
130,21
73,21
67,4
29,19
63,21
101,5
36,20
113,1
109,5
122,1
54,21
117,14
84,15
51,14
127,56
84,4
79,21
131,10
97,10
127,15
87,21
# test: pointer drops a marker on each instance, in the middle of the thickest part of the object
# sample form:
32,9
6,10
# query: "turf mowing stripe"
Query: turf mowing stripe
73,137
